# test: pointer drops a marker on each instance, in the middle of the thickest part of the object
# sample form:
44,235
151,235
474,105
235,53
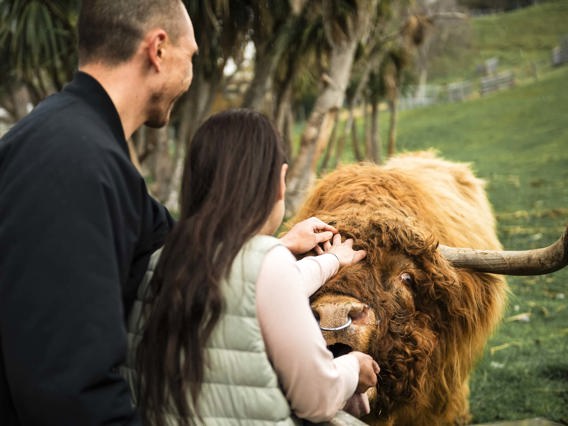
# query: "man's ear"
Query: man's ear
156,41
283,171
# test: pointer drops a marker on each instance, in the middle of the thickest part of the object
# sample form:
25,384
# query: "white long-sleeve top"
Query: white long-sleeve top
316,384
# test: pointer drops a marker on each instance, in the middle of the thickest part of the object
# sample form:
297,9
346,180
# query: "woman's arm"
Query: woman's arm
316,384
316,270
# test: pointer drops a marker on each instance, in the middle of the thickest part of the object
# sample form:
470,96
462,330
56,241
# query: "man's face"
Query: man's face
178,74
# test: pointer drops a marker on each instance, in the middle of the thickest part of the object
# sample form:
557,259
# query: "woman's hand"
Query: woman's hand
307,234
368,370
342,250
358,405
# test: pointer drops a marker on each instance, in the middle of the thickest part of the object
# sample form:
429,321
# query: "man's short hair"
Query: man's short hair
110,30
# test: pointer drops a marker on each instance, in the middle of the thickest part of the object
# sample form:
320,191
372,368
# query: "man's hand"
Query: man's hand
306,235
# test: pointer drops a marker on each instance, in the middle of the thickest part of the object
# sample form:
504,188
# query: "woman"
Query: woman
228,334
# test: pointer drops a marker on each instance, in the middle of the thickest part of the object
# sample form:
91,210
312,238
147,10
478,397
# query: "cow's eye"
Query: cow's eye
407,279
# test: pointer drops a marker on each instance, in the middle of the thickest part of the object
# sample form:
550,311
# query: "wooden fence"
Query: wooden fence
560,52
504,80
459,91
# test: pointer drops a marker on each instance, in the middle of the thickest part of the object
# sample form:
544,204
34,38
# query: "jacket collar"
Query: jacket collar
93,93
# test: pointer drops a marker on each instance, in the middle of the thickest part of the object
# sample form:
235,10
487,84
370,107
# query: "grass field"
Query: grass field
517,140
521,40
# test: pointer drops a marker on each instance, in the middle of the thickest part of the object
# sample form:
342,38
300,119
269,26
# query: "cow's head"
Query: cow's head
390,305
406,303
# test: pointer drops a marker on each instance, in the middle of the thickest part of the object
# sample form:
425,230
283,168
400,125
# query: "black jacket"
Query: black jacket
77,227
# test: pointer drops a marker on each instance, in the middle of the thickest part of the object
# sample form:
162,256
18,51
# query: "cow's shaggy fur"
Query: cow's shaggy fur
432,327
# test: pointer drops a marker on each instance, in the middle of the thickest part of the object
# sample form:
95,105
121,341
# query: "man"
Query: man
77,225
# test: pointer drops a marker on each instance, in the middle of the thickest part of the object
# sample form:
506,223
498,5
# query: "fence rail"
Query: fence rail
504,80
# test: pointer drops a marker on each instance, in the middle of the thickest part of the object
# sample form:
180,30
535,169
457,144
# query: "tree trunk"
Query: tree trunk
268,55
284,118
375,136
283,114
393,108
285,74
195,105
320,123
330,147
340,143
159,164
269,51
420,93
260,86
367,130
16,103
354,135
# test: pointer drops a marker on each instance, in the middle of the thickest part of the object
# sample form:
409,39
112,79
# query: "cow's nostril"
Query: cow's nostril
339,349
357,311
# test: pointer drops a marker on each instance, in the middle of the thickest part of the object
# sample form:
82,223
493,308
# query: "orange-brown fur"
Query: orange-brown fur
430,332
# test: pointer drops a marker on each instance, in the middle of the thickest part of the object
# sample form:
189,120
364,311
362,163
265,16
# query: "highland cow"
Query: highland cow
423,309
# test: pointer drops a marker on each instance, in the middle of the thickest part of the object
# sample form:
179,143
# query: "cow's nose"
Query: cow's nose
338,316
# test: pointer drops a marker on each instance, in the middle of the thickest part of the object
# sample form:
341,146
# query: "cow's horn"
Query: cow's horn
528,262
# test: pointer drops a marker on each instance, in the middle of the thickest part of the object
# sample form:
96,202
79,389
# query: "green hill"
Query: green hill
521,40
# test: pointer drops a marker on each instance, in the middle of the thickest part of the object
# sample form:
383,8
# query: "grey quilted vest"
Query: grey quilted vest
240,386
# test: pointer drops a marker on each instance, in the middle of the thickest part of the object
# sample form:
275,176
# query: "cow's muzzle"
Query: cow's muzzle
345,322
338,313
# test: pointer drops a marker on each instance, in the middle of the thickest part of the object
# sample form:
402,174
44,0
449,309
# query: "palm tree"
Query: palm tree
301,45
37,46
274,25
345,24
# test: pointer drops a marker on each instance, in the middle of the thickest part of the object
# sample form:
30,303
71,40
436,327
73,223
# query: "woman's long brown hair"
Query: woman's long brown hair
230,184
